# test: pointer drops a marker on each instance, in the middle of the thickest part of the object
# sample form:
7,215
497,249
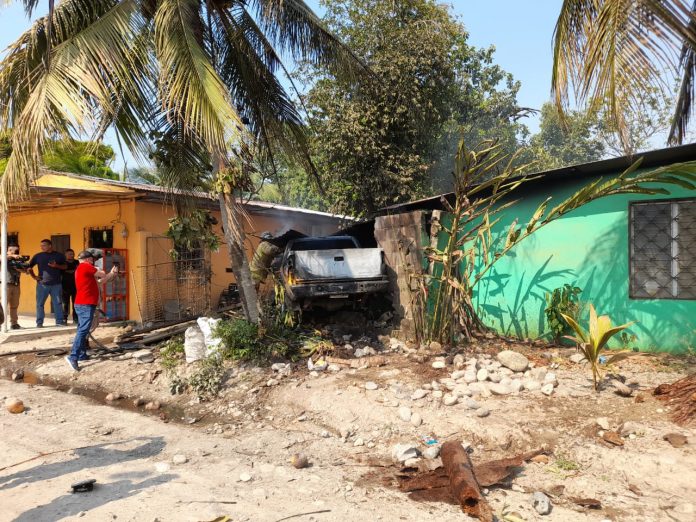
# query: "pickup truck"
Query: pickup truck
318,271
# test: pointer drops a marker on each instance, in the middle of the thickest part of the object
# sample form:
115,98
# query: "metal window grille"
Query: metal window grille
663,249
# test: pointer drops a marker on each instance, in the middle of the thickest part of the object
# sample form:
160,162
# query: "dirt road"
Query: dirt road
131,456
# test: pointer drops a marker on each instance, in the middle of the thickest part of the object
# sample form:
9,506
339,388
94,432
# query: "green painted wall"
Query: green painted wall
588,248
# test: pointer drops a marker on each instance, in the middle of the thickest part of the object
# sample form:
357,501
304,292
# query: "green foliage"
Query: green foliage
565,464
240,339
593,341
389,138
192,231
206,382
76,157
559,143
563,300
172,353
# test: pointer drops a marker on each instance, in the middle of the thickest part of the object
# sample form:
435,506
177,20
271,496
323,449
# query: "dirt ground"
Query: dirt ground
237,447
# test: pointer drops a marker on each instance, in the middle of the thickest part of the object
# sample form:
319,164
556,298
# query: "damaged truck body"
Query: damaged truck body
329,272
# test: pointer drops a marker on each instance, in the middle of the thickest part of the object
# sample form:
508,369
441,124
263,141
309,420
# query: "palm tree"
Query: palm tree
608,53
200,72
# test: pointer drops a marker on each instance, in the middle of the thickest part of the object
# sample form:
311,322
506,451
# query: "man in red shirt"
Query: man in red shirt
87,281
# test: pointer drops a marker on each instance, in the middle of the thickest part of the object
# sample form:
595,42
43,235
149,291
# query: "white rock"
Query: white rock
602,422
405,413
277,367
507,381
462,391
513,360
432,452
412,463
143,356
495,377
369,385
547,389
630,428
244,477
538,374
483,412
482,375
541,503
180,459
532,385
458,361
358,442
470,376
416,419
498,389
551,377
450,400
419,394
403,452
162,467
458,374
577,358
439,364
516,386
479,388
472,404
437,394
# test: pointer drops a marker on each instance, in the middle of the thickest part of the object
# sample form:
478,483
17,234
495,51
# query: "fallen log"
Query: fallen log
463,484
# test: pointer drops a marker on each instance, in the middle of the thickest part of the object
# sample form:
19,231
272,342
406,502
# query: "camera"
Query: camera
18,263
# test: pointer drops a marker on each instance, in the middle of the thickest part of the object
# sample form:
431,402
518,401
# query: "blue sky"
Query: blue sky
520,32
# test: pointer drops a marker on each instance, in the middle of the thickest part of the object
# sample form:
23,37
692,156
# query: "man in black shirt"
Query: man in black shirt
69,289
48,282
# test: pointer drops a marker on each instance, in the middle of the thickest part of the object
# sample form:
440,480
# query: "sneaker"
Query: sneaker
39,326
72,363
84,357
15,327
62,324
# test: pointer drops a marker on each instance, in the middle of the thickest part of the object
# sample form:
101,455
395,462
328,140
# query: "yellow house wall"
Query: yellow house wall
142,220
33,226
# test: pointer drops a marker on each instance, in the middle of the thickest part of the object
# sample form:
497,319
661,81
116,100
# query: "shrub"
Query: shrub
172,353
563,300
207,381
240,339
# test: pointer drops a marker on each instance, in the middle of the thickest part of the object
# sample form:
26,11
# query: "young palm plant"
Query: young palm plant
200,72
591,343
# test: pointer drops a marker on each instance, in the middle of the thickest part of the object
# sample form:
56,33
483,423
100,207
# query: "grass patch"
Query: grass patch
172,353
565,464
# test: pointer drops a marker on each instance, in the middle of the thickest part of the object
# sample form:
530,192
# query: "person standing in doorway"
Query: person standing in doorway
14,260
87,281
48,282
69,289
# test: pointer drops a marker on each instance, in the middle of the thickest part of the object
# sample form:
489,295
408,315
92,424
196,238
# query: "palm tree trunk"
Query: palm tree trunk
234,237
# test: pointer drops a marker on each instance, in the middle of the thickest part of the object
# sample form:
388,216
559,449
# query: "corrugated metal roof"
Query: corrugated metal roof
653,158
54,179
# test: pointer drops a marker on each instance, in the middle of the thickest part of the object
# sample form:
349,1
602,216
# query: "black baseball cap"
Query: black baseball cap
85,254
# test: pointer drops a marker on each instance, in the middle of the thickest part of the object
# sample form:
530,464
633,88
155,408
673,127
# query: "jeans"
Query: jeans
42,293
69,298
85,315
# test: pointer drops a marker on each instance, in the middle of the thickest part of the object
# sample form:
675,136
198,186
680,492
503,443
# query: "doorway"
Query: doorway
61,242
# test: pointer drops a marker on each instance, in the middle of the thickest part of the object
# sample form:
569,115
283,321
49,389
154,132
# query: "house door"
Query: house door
61,242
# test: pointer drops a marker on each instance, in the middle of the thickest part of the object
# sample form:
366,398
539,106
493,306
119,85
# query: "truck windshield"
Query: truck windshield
324,243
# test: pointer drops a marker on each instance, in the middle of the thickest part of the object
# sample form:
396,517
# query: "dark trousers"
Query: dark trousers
68,300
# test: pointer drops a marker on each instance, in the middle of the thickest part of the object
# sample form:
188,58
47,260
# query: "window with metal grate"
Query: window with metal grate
662,248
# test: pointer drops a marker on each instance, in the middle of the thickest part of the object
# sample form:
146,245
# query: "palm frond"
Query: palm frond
190,88
608,52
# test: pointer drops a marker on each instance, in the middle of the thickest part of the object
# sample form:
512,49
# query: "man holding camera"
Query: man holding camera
14,260
87,281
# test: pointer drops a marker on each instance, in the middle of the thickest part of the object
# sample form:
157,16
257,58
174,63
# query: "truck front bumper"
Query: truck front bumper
337,289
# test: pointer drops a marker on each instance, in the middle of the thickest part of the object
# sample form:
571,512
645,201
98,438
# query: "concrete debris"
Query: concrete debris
404,452
369,385
513,360
432,452
541,503
143,356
